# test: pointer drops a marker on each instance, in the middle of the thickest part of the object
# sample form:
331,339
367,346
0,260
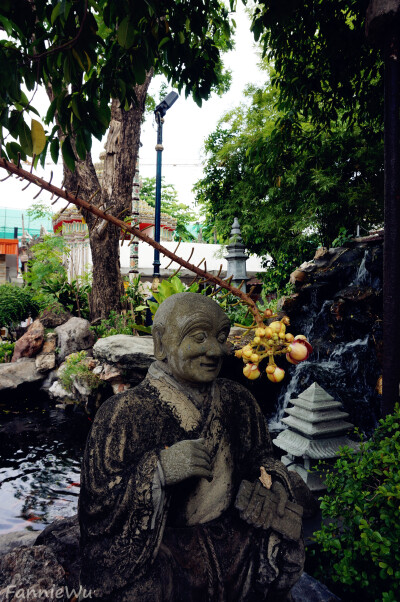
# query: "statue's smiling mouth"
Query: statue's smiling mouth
209,365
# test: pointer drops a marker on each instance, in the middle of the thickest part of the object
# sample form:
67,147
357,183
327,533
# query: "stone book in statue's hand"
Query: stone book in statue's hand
258,506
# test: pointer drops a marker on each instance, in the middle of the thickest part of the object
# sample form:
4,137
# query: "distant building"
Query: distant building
71,225
13,222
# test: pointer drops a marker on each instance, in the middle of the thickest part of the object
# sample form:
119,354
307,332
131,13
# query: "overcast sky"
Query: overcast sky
185,129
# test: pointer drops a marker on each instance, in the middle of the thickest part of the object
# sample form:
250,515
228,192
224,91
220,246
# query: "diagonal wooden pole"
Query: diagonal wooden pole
86,206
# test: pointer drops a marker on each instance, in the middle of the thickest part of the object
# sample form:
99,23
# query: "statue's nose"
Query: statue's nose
214,349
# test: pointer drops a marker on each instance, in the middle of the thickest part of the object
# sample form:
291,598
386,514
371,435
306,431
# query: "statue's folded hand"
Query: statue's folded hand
254,503
185,459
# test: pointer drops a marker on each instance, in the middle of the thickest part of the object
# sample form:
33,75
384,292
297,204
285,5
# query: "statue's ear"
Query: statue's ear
159,349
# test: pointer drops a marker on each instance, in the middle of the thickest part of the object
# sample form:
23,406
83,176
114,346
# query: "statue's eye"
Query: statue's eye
222,337
200,337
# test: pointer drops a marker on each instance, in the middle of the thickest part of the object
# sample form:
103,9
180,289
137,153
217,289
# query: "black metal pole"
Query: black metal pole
391,261
157,217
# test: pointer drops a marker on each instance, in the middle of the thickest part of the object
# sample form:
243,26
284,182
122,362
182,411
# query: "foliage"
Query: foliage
170,205
325,66
291,185
118,324
6,351
39,210
16,304
135,300
92,52
342,238
358,544
46,263
73,296
75,368
169,287
236,312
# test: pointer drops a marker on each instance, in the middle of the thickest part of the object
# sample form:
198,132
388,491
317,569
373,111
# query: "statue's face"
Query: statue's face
195,343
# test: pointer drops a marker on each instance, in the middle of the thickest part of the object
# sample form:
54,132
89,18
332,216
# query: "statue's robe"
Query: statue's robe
144,541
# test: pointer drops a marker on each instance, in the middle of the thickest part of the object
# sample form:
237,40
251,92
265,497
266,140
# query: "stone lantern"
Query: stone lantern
236,257
317,430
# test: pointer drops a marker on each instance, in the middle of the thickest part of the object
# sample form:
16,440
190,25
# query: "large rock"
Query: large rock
19,374
51,318
16,539
130,355
73,336
31,569
30,343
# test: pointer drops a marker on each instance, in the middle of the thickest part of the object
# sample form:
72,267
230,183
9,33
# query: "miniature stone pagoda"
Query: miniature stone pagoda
317,430
236,257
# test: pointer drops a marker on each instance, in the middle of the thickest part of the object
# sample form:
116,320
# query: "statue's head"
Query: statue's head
190,332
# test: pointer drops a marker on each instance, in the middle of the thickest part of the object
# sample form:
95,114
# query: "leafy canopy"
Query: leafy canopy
292,185
94,50
325,68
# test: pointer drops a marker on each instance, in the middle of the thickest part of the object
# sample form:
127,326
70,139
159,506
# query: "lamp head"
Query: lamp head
166,104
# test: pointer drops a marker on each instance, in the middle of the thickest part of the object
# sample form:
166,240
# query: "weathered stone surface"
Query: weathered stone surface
30,568
308,589
62,537
52,319
320,252
73,336
16,539
128,354
45,362
298,277
20,373
58,393
30,343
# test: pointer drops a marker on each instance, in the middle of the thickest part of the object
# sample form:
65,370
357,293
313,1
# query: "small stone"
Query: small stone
120,387
45,362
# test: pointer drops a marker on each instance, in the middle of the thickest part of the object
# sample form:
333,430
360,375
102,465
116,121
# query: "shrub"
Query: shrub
359,547
118,324
72,296
169,287
16,304
75,368
6,351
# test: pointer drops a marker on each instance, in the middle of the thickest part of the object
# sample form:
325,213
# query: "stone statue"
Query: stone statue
172,507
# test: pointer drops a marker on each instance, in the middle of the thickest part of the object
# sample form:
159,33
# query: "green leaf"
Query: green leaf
38,137
126,33
80,146
25,138
55,12
54,149
163,42
68,154
74,105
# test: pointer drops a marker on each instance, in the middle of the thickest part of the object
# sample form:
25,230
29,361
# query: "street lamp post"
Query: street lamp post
159,113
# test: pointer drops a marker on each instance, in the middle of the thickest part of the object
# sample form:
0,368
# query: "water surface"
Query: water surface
40,454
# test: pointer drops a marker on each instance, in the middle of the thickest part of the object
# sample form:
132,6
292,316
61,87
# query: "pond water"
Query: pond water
40,454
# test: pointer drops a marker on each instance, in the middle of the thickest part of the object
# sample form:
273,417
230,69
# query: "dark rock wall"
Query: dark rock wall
338,306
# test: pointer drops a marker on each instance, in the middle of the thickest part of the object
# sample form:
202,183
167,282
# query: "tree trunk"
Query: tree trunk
114,194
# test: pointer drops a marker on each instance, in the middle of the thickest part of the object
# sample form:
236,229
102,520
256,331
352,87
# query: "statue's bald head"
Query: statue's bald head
189,317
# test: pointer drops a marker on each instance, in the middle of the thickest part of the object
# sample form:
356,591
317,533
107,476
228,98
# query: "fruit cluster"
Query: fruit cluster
271,340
